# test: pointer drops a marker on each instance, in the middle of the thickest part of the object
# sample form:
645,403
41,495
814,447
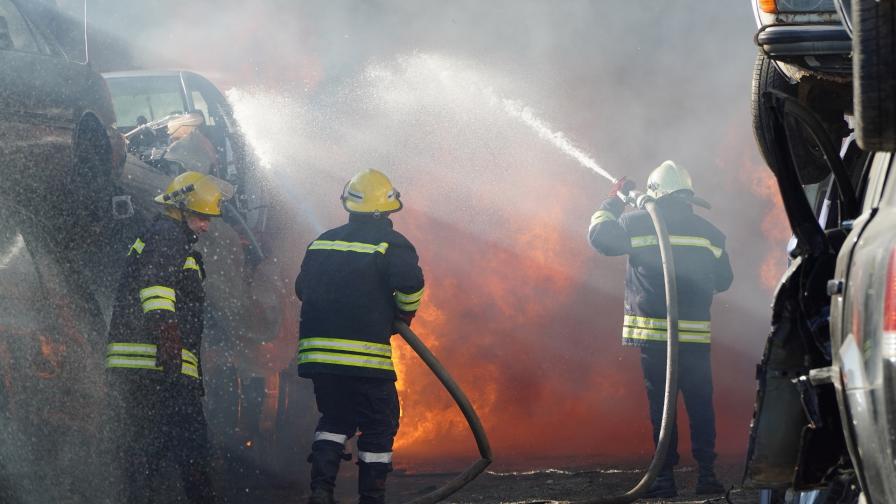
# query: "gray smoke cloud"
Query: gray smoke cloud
326,88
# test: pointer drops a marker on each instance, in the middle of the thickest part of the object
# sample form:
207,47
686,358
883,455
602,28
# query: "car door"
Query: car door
863,354
205,97
236,162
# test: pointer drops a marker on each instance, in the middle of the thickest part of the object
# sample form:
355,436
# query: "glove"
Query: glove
405,316
623,185
168,355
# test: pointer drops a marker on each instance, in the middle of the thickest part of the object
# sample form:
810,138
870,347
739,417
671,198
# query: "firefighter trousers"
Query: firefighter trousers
350,404
161,430
695,385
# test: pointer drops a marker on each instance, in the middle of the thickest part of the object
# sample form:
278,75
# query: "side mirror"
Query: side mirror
5,37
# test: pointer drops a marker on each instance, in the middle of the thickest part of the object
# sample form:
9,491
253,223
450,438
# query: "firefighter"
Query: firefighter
153,352
702,270
355,280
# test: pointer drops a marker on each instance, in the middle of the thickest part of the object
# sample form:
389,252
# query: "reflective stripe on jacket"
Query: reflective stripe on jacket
161,284
353,280
143,356
701,264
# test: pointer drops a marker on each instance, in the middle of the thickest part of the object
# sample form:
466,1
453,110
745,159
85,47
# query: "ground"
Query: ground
526,486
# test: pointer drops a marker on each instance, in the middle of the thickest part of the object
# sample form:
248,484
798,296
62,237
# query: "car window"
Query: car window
15,34
200,104
150,97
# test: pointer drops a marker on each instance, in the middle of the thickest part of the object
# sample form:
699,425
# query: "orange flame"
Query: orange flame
774,225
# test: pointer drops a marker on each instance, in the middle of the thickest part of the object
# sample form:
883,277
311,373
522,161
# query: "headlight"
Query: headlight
803,5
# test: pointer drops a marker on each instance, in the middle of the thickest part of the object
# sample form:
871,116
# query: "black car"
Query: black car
61,158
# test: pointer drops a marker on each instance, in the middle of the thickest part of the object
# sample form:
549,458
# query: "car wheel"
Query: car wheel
90,180
874,73
807,156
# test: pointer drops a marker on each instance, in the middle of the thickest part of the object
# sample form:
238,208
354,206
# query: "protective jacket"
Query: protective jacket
352,281
701,264
161,285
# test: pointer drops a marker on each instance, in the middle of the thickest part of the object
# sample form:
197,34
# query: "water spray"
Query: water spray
557,138
458,81
639,200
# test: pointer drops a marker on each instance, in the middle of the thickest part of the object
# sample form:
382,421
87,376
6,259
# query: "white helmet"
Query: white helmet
668,178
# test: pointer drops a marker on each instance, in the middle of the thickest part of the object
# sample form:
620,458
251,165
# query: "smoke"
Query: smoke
518,306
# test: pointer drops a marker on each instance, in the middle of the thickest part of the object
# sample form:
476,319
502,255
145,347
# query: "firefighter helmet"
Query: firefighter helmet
196,192
668,178
370,192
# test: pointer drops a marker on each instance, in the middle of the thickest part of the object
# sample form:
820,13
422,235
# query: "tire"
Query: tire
90,179
874,73
807,156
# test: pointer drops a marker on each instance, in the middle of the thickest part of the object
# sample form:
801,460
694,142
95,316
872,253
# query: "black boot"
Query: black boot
663,485
372,482
707,484
325,458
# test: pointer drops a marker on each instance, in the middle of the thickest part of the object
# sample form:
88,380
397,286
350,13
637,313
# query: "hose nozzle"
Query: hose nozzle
635,199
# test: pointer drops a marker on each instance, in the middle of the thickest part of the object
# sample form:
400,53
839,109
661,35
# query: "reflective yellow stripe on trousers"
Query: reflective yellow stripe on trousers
654,329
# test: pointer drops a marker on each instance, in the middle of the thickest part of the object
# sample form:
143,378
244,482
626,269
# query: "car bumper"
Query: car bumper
819,48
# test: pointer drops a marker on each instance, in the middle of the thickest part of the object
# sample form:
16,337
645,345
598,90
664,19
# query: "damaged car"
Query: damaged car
822,424
176,121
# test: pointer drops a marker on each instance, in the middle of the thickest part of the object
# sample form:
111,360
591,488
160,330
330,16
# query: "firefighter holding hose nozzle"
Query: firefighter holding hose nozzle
702,270
355,280
152,357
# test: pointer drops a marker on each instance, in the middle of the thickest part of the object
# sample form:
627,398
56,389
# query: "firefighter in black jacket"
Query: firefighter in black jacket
155,335
702,269
355,280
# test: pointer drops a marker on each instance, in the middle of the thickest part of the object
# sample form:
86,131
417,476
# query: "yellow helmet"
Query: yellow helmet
196,192
370,192
668,178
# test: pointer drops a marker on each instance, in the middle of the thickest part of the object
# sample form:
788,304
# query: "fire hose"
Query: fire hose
466,408
670,399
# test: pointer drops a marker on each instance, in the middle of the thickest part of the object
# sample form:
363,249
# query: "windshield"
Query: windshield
150,97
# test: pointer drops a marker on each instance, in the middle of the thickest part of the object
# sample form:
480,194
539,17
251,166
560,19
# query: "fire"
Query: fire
509,317
774,225
519,309
49,361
